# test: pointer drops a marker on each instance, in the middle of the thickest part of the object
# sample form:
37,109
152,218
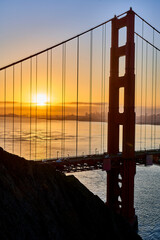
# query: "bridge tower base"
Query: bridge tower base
120,179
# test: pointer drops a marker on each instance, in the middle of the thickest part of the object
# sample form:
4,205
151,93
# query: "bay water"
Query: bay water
41,139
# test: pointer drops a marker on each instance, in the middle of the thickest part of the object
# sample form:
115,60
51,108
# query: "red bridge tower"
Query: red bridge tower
120,179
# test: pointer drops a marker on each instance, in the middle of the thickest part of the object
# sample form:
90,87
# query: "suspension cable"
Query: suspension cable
50,103
77,96
152,90
152,45
4,108
21,82
141,87
30,108
136,85
62,130
90,91
103,86
147,23
47,111
74,37
13,110
146,89
59,44
49,77
36,117
63,98
102,82
155,110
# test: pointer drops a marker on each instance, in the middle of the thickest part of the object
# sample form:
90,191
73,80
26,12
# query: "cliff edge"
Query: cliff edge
37,202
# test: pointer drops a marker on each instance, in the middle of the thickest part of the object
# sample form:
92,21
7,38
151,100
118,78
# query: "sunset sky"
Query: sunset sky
35,88
30,26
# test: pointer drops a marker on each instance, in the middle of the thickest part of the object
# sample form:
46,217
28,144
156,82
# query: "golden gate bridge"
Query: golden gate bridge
107,74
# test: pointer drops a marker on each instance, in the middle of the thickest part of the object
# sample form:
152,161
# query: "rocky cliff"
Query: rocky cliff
37,202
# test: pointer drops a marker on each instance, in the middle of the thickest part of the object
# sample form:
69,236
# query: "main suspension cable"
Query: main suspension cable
154,29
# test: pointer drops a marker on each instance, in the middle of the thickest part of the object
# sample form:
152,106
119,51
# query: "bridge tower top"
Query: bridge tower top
127,82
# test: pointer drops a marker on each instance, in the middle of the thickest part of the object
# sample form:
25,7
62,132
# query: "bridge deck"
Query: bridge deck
96,161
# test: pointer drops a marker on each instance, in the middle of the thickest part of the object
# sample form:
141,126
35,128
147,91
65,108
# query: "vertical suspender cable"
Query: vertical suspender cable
102,82
50,102
30,108
90,91
136,83
152,90
77,96
146,89
13,113
62,105
47,112
155,109
63,98
136,78
21,109
4,108
104,93
62,146
141,87
62,130
36,110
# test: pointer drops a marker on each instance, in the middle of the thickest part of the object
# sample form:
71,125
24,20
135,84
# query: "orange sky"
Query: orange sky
43,75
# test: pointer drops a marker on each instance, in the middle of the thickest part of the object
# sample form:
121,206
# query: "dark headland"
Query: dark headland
37,202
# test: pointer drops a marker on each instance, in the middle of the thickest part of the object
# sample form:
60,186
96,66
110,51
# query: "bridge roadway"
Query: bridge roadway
99,161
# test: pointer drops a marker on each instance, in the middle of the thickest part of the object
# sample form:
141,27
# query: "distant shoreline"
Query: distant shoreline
84,118
57,117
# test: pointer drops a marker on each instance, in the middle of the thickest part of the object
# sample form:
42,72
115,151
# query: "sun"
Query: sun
40,99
